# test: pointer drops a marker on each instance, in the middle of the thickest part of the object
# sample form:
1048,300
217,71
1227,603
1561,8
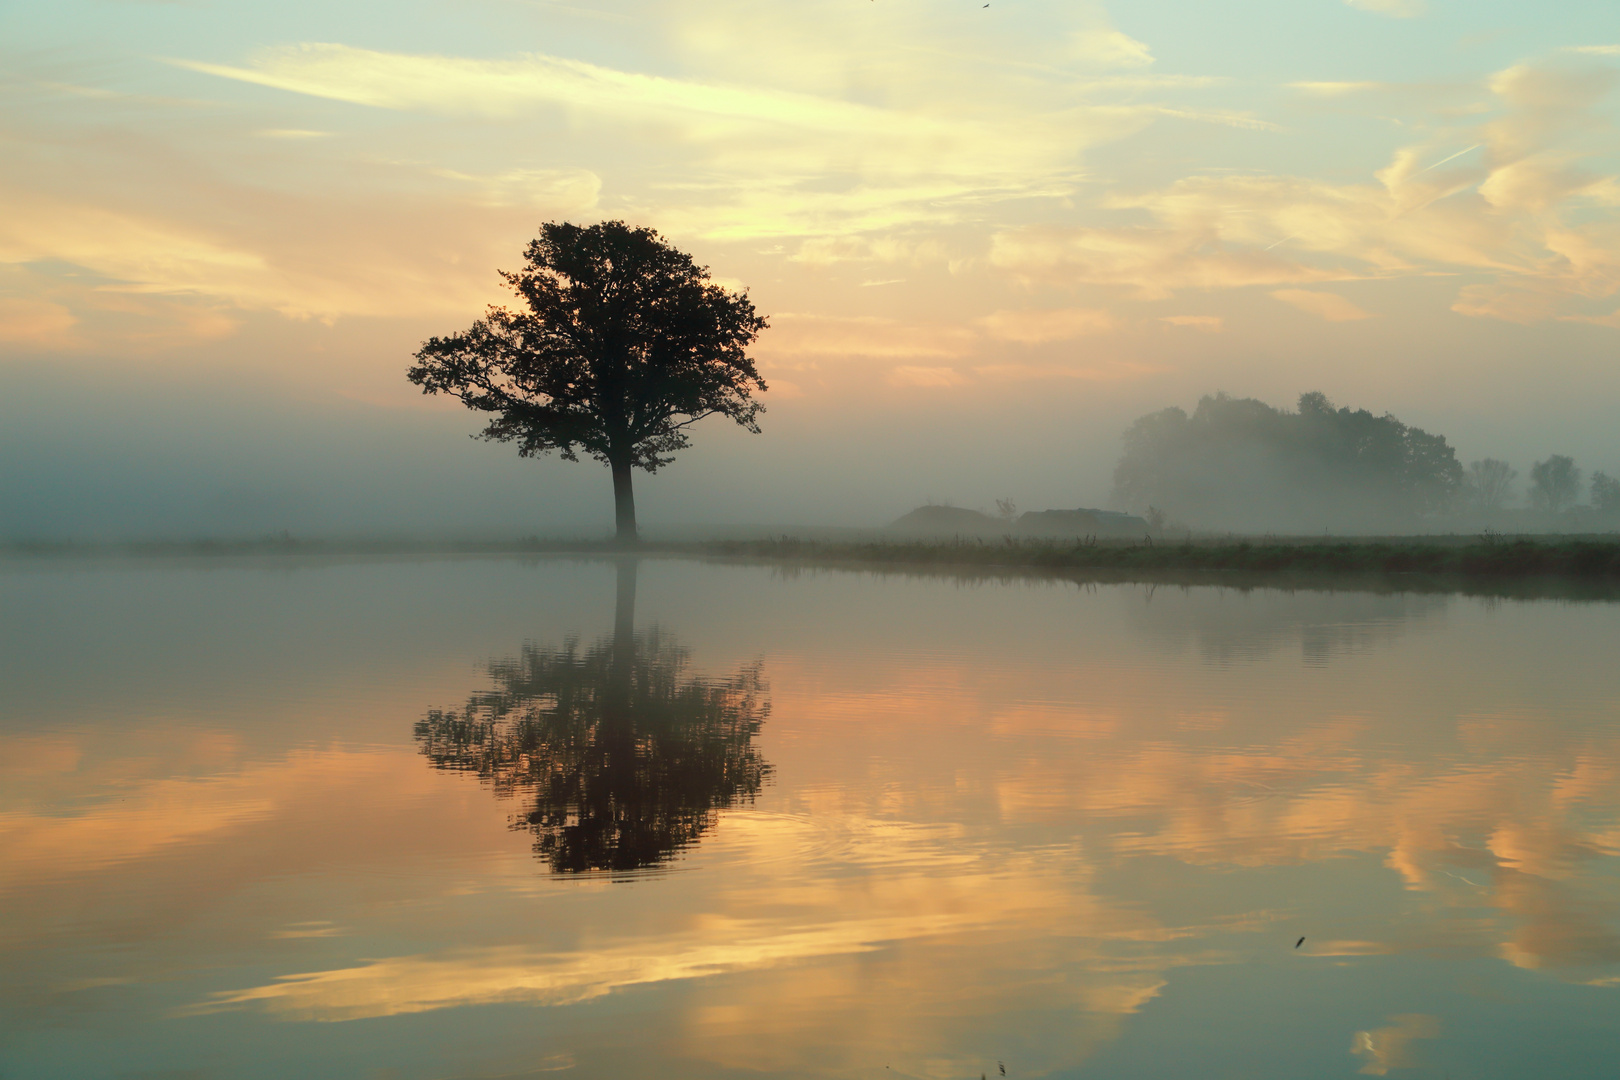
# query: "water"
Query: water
505,818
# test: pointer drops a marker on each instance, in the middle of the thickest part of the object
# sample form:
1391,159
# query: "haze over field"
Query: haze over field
987,239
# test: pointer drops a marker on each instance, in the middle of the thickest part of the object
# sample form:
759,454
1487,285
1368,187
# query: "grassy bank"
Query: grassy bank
1585,558
1559,567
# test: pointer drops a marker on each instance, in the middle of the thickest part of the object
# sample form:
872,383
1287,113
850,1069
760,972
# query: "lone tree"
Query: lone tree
624,344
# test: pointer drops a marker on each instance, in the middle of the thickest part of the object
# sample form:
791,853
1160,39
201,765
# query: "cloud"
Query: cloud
1033,327
756,128
1150,263
1395,9
460,86
135,255
1521,213
771,142
1546,103
892,134
1110,48
1324,305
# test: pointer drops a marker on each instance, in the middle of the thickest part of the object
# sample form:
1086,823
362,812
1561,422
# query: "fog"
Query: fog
114,459
92,455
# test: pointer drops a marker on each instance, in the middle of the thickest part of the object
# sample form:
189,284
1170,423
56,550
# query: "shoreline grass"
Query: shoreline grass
1585,567
1586,558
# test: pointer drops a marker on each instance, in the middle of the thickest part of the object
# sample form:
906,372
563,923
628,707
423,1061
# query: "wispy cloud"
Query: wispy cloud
1395,9
1336,89
777,152
1521,211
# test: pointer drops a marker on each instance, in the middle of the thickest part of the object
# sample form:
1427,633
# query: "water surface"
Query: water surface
510,817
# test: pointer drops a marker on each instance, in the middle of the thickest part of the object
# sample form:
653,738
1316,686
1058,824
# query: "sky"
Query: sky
987,238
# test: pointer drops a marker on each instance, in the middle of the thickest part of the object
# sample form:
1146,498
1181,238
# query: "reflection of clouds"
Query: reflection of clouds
1391,1047
1491,830
882,911
157,848
969,848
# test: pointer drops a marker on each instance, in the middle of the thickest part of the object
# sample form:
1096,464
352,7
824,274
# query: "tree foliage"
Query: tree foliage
621,343
1240,463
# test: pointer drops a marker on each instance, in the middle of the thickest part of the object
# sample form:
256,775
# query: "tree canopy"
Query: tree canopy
622,342
1240,463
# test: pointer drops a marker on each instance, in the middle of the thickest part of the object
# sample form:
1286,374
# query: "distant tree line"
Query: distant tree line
1555,487
1241,464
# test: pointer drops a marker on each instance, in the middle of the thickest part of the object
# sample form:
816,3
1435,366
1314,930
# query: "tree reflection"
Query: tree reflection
622,757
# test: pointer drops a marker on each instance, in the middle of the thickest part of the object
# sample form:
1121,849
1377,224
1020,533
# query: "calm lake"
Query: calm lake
514,817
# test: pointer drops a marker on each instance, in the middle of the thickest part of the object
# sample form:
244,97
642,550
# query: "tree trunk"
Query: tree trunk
624,504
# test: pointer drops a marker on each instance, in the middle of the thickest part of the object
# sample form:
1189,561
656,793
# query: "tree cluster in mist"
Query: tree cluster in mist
1240,464
1555,488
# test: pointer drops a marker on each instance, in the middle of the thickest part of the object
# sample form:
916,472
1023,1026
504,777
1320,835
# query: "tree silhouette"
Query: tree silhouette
1605,492
624,343
619,757
1237,460
1555,484
1489,483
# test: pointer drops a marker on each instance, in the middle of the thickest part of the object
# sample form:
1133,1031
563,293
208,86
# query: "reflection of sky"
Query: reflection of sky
1008,822
1026,224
